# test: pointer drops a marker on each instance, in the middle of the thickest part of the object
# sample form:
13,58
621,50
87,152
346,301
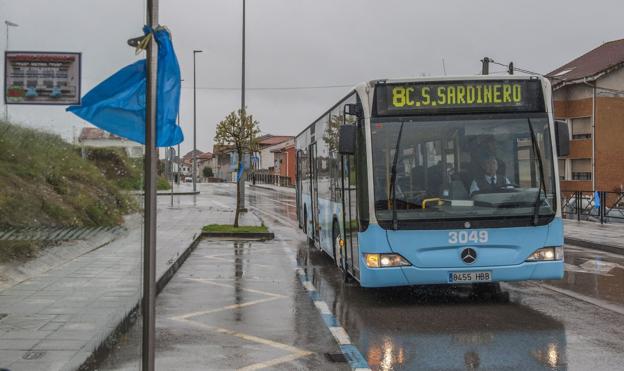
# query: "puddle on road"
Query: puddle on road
436,327
594,274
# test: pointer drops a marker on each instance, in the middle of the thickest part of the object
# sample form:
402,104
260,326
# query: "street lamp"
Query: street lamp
8,24
194,124
242,180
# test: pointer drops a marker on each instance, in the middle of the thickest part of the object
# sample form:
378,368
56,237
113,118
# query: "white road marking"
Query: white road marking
309,286
209,281
599,266
296,352
340,335
322,307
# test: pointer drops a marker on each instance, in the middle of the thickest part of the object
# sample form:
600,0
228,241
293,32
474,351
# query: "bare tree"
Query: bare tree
238,131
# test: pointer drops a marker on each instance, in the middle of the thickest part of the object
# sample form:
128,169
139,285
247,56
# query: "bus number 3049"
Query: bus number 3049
467,237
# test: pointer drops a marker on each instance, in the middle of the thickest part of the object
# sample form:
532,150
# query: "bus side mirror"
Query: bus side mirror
346,139
562,138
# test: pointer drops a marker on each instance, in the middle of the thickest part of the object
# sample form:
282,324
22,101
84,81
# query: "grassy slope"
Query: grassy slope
45,182
125,172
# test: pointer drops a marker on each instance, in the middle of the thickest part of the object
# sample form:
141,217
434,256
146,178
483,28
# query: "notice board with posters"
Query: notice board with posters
46,78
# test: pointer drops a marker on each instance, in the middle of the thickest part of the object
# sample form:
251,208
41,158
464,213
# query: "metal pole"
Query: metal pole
171,172
6,106
178,153
485,68
151,164
242,180
194,124
8,25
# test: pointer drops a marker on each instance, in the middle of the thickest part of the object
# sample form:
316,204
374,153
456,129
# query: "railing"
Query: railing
266,177
605,207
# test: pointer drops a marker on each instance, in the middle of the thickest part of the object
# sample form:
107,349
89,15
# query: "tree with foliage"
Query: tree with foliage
208,172
238,131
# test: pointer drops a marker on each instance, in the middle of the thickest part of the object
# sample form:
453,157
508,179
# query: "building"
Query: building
186,164
285,160
205,160
268,145
588,94
226,158
94,137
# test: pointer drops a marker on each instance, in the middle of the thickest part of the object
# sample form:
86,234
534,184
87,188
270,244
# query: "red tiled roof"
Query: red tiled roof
269,140
95,133
190,154
590,64
205,156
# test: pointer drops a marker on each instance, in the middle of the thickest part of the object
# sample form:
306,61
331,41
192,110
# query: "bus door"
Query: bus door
314,192
298,189
350,217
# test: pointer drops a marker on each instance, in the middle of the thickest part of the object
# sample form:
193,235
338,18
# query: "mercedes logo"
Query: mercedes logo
469,255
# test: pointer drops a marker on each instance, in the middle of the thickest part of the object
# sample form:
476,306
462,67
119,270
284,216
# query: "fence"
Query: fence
266,177
595,206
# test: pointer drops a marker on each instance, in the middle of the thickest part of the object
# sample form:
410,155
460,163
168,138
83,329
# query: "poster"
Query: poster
42,78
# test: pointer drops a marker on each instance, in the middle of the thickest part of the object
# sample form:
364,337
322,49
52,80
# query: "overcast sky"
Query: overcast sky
303,43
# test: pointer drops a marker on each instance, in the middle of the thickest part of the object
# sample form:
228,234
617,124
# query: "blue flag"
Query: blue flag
117,104
596,200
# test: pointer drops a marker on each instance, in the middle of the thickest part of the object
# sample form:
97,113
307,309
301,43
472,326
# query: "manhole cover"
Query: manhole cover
33,355
336,357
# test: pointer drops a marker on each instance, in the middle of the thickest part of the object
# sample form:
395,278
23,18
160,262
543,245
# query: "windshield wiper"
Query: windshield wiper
536,205
393,178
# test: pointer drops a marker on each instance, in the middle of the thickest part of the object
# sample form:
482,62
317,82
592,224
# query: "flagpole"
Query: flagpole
149,225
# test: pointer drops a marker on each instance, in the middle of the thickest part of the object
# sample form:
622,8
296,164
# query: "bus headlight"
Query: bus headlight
546,254
385,260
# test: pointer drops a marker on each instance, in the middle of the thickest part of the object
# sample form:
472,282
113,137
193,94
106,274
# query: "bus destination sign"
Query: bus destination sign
479,96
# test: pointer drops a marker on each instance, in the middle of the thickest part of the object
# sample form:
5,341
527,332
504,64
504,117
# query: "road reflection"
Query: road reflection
437,327
595,274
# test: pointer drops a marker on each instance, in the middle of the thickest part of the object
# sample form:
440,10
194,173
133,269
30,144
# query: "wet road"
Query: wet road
576,323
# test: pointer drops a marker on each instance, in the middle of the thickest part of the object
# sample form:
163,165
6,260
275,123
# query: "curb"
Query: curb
175,193
592,245
102,350
238,235
272,189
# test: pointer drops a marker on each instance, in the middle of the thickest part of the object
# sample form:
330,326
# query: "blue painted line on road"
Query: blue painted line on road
314,295
352,354
330,320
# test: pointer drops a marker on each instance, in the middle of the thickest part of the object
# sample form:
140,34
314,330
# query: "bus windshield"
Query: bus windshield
462,168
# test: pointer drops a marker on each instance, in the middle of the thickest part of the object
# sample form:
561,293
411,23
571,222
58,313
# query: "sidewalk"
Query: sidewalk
56,319
235,305
604,237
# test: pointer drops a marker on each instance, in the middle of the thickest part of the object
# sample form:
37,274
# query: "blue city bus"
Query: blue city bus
436,181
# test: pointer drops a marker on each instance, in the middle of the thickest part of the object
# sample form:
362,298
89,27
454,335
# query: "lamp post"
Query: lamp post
8,24
242,180
194,124
149,228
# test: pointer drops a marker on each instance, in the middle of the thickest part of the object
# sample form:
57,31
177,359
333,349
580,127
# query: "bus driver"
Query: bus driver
490,181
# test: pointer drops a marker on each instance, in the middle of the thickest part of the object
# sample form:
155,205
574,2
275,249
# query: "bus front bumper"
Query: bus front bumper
407,276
